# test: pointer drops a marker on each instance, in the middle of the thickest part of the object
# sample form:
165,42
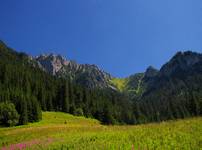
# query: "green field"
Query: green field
64,131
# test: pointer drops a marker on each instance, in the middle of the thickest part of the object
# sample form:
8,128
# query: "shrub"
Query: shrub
8,114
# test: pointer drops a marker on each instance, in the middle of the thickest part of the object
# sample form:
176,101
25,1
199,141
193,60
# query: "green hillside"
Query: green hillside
64,131
120,83
131,85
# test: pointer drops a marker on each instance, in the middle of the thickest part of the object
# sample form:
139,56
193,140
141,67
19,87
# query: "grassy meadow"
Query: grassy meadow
63,131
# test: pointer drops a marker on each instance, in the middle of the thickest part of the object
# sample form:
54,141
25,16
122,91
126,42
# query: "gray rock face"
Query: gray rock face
52,63
87,75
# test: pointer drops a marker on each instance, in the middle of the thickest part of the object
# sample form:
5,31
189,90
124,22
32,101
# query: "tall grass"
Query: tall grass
64,131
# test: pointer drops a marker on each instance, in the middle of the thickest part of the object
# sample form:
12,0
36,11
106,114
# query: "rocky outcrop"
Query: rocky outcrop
52,63
87,75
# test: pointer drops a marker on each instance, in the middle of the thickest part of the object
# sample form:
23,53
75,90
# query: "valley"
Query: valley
100,75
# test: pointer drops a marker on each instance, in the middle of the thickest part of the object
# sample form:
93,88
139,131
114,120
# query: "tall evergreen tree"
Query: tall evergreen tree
65,98
23,111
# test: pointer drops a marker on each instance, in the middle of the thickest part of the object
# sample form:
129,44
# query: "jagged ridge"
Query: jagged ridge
87,75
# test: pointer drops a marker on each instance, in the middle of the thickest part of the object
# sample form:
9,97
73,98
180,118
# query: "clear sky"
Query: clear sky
120,36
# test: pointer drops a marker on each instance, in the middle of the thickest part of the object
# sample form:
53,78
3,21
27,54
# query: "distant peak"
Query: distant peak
187,57
52,62
51,56
151,68
182,61
150,72
184,54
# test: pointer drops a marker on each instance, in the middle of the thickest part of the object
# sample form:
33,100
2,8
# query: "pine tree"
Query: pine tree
23,111
65,98
41,98
35,110
49,103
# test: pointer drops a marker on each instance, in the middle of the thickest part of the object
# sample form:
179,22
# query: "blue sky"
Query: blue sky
120,36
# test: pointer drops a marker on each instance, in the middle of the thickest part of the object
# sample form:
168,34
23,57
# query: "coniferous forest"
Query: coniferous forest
26,91
32,90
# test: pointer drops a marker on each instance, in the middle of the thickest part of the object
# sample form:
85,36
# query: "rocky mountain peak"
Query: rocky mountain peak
52,63
187,58
85,74
181,61
53,57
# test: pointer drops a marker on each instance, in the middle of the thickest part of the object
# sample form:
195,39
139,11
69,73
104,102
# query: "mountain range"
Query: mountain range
178,82
56,83
87,75
180,67
91,76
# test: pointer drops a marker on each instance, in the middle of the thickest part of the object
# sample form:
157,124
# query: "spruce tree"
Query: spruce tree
65,98
23,111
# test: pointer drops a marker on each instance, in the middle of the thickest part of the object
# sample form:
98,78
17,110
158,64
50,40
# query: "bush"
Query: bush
8,114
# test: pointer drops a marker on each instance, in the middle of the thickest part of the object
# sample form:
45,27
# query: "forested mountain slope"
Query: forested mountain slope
30,89
53,83
175,91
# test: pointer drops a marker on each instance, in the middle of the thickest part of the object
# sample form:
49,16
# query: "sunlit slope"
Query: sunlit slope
64,131
120,83
132,85
59,118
